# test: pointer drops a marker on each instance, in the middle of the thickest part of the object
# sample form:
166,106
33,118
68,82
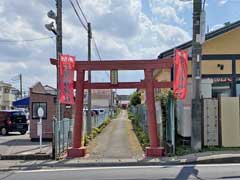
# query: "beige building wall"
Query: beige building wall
227,43
230,124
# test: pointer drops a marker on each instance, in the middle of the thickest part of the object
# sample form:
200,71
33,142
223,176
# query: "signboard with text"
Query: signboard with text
67,65
180,74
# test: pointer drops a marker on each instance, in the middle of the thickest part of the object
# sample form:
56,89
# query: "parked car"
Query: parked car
13,121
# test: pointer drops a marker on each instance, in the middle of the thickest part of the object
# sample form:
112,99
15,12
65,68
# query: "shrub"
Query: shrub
141,135
96,131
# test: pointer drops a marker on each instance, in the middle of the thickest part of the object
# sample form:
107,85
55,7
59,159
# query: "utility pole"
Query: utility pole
20,81
196,137
58,51
89,119
58,21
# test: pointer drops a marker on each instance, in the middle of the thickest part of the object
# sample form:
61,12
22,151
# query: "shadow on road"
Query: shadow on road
21,142
186,172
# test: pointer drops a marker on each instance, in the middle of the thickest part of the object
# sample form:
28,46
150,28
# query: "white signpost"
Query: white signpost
40,112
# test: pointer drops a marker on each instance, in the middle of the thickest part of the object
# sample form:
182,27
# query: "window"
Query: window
0,88
18,113
35,106
6,90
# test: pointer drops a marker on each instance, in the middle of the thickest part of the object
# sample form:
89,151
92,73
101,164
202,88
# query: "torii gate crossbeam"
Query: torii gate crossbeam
149,83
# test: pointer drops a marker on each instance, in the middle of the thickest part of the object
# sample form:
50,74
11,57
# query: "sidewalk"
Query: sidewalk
198,158
16,146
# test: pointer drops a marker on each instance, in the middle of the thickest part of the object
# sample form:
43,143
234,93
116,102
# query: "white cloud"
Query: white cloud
222,2
167,13
121,29
217,26
177,4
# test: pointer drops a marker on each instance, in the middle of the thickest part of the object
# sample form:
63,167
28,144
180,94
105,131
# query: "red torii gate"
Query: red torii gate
149,83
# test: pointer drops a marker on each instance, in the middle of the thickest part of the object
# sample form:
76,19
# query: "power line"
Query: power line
79,18
25,40
98,53
97,50
81,11
81,21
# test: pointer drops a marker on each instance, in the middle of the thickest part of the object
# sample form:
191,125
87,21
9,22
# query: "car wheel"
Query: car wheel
4,131
23,132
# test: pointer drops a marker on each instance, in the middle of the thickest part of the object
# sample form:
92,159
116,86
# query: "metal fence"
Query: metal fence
62,136
164,119
63,130
97,120
141,111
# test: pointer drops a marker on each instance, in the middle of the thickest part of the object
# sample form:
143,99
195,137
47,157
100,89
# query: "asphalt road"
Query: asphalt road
17,144
202,172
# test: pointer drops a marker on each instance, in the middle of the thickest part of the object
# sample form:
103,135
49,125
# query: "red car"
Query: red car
13,121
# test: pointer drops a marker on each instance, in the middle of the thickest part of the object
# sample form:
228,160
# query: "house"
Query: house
220,61
123,100
6,96
45,97
101,98
220,71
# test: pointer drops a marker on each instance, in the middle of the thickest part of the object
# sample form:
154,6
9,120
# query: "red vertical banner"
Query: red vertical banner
180,74
67,65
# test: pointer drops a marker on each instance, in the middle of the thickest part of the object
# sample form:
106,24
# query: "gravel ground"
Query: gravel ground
117,140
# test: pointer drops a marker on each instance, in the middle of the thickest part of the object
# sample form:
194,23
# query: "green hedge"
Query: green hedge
96,131
141,135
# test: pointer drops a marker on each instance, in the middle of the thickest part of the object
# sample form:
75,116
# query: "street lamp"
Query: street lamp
51,14
51,27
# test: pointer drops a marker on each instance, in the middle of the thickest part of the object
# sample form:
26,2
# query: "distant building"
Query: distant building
123,100
16,94
101,98
7,95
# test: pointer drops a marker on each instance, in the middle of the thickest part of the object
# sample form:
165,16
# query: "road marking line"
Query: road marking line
123,167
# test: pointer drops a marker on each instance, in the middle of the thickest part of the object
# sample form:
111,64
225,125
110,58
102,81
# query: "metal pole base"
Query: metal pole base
154,152
76,152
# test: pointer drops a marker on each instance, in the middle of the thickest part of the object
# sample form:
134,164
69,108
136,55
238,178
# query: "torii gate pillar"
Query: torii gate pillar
154,150
78,149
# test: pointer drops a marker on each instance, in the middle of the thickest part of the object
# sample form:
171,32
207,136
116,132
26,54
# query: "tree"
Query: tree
135,99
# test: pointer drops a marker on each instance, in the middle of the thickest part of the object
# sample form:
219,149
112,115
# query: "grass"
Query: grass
96,131
185,150
214,148
141,135
117,113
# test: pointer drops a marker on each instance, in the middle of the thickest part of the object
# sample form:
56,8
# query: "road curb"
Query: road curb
26,157
35,166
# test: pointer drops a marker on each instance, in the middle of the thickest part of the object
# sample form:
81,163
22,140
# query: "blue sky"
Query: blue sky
123,29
